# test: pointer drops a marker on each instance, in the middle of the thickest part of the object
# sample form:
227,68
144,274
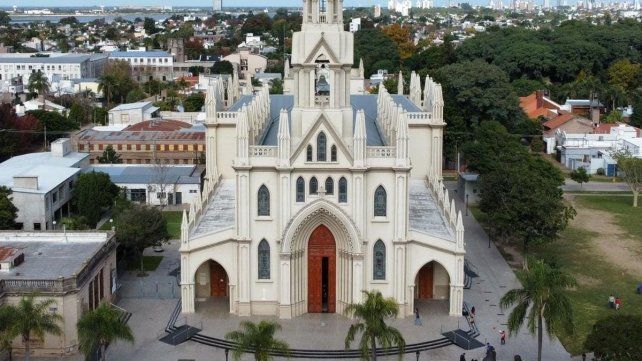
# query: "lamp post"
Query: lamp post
466,204
417,353
111,223
54,225
227,351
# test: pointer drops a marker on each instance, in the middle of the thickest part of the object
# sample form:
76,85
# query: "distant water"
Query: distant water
19,19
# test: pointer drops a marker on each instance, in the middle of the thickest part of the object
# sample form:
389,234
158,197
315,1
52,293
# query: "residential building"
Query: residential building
75,269
218,5
468,188
247,63
147,65
313,196
55,66
156,184
185,146
132,113
42,184
39,103
355,25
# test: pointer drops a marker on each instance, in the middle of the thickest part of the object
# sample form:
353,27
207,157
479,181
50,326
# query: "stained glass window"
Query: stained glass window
263,201
379,269
300,190
264,260
329,186
321,147
343,190
308,154
314,186
380,202
333,153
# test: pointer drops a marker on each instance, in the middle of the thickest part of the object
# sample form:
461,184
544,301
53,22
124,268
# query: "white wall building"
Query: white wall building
163,184
355,25
54,66
132,113
314,196
42,184
136,58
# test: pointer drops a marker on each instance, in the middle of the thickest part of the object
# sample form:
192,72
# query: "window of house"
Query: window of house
264,260
329,185
300,190
308,154
333,153
138,195
380,202
263,201
343,190
379,256
321,147
314,186
37,226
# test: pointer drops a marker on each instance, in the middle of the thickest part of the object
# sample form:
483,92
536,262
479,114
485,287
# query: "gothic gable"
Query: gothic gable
322,49
321,123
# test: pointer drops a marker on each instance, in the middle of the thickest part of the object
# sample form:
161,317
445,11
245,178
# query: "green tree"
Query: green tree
276,86
5,19
371,315
194,102
107,84
109,156
615,116
616,338
77,114
372,45
31,320
139,227
6,319
222,67
39,83
541,302
101,327
150,26
93,192
580,176
631,168
8,211
636,117
258,339
135,95
624,74
257,24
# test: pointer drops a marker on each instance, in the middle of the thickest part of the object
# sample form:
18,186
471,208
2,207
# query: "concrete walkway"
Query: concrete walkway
572,186
495,279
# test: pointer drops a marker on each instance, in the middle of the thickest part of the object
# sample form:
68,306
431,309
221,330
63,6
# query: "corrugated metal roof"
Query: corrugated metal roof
89,135
130,106
139,54
149,174
71,59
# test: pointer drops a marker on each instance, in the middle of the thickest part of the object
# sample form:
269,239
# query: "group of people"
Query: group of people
615,302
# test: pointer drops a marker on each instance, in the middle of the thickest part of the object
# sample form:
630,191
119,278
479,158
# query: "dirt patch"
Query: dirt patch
586,281
612,242
511,254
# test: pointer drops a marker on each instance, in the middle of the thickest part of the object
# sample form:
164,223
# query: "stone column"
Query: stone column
357,279
187,286
244,280
311,79
285,310
400,274
359,209
211,165
284,201
400,204
243,204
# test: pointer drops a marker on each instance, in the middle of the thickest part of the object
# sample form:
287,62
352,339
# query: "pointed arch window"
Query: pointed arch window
264,260
314,186
380,202
300,190
379,265
308,153
343,190
333,153
263,199
329,185
322,143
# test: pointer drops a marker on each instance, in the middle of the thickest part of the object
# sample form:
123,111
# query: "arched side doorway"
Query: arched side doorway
321,271
211,286
432,282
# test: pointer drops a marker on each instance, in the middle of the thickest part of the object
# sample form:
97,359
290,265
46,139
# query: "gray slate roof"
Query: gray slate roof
220,213
144,174
424,214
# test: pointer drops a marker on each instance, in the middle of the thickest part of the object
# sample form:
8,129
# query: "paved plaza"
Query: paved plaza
152,299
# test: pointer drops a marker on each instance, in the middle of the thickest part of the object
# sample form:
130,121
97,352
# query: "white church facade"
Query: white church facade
312,196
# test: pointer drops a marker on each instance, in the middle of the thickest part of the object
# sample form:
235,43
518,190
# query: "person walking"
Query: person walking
462,357
618,303
472,311
611,301
502,337
417,318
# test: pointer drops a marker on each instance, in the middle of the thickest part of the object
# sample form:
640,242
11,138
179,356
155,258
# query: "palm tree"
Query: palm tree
257,338
31,319
543,291
100,327
38,83
6,318
107,84
371,315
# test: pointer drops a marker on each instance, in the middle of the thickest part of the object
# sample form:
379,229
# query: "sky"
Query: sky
197,3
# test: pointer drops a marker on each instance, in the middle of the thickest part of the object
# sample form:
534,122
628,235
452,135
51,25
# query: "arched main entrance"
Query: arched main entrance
218,280
321,271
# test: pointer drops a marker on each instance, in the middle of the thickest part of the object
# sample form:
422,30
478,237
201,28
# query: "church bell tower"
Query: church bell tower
322,58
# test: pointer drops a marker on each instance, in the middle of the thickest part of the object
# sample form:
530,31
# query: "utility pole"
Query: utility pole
45,140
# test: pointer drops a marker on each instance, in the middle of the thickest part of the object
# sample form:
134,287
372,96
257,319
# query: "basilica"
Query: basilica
312,196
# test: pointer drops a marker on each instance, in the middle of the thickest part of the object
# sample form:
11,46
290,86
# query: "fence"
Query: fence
165,288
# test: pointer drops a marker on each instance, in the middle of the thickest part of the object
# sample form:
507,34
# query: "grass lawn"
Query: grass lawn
105,227
174,219
150,263
575,252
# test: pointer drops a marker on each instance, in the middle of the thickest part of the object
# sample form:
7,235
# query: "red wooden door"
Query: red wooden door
218,280
321,271
425,282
